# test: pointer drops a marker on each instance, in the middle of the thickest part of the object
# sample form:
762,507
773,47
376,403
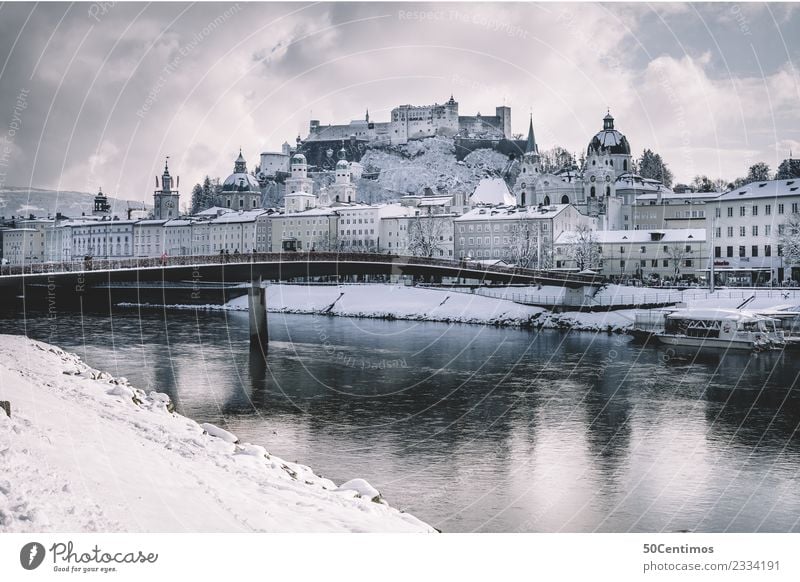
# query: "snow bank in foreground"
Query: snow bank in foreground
84,451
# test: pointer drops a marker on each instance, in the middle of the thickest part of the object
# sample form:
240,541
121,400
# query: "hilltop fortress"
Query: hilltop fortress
409,122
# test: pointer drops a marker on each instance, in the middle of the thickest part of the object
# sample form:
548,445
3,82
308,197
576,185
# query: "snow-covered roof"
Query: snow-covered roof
213,211
492,191
150,222
768,189
512,213
669,195
630,180
664,236
180,222
310,212
232,217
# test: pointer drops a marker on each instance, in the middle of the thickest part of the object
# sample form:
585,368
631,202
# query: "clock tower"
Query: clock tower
165,201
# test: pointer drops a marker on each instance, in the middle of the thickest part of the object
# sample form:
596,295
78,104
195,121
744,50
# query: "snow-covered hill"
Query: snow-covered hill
432,162
83,451
17,201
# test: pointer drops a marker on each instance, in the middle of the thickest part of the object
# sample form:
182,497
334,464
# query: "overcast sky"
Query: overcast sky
97,98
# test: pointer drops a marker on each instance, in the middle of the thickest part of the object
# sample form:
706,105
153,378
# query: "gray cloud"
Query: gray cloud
712,87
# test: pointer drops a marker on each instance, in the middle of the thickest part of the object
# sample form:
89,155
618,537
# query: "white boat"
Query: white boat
719,328
787,322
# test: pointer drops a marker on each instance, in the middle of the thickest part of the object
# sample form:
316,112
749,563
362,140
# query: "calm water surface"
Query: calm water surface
476,428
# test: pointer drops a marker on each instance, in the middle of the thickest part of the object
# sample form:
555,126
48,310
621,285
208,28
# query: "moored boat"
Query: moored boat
709,328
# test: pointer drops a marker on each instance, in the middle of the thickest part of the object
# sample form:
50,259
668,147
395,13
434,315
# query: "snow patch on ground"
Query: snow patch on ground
84,451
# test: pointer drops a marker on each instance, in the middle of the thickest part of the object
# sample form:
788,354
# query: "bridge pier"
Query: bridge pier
257,304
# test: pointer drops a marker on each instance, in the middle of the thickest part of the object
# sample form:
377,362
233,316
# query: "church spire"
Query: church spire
530,145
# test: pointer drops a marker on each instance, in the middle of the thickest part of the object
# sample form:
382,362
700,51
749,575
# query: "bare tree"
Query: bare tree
584,250
789,239
426,235
526,249
677,254
328,242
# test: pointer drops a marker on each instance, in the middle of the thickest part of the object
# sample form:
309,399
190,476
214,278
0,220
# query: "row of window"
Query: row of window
754,251
754,210
488,227
754,230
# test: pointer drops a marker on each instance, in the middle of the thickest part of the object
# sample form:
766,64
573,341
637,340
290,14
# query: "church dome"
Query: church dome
240,182
609,139
298,159
342,165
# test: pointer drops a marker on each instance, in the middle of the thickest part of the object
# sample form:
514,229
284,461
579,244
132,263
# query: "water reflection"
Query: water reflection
480,428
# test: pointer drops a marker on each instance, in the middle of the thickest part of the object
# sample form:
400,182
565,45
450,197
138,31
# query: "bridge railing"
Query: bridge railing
470,268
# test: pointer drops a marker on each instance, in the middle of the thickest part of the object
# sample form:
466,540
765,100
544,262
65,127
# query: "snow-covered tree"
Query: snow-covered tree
788,169
677,254
426,235
789,239
584,250
650,165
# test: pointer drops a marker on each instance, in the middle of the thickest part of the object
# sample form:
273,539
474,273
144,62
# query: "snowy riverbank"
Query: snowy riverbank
83,451
493,306
427,304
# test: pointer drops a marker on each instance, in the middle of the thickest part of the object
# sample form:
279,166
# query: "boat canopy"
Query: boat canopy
717,315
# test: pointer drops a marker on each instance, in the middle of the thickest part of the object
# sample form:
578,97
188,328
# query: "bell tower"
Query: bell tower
165,200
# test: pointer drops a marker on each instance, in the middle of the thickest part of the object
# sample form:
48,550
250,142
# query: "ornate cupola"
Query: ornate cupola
101,205
608,121
240,165
166,179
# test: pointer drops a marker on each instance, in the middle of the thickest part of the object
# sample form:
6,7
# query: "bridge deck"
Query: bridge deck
274,266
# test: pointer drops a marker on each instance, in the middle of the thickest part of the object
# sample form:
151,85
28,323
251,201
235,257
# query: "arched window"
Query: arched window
624,164
608,190
546,201
594,162
592,194
522,198
565,199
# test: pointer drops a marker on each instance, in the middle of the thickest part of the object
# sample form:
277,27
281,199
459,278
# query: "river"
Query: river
475,428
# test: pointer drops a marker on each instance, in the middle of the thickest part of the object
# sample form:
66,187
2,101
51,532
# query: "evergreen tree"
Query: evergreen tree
758,173
788,169
197,199
650,165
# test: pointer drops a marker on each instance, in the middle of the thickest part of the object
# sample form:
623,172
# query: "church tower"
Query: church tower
525,188
165,201
607,157
342,190
299,193
101,205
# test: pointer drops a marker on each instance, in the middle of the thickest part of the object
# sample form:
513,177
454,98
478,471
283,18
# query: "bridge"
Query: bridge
62,282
